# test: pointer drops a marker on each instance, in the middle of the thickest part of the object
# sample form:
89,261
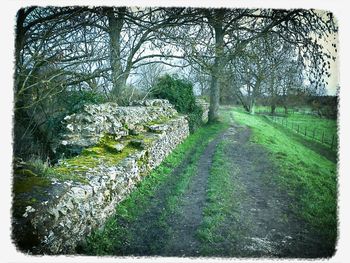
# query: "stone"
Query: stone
119,147
158,128
76,207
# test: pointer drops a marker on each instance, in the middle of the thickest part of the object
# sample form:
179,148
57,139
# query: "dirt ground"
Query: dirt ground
262,220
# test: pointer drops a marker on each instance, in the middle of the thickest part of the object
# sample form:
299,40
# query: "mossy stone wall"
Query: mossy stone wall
51,215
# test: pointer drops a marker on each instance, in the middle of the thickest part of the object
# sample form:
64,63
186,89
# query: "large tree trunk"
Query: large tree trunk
115,25
273,92
216,80
20,34
252,106
254,95
273,108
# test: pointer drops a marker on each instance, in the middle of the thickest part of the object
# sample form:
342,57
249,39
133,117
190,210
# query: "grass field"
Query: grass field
320,129
307,175
280,110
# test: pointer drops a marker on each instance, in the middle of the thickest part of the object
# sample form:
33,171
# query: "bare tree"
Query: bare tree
60,50
229,31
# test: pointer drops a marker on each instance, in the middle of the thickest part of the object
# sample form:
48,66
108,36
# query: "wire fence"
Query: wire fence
281,111
322,136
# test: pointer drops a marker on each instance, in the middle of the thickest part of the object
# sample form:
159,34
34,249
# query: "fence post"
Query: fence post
322,136
313,133
298,128
305,131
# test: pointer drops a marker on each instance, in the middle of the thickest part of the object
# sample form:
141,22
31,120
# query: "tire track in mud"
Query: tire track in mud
185,223
264,223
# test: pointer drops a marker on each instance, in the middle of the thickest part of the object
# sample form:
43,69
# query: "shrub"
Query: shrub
179,93
75,100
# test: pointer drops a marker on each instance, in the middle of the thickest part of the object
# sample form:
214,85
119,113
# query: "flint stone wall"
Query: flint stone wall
86,128
67,211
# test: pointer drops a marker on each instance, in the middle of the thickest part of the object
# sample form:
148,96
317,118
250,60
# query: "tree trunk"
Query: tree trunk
273,92
214,99
252,106
273,108
20,34
115,25
254,94
216,80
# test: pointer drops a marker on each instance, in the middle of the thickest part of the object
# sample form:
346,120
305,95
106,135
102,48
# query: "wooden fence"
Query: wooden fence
322,136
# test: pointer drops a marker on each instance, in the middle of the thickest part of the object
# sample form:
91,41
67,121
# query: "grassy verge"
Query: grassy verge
306,175
320,129
115,235
221,191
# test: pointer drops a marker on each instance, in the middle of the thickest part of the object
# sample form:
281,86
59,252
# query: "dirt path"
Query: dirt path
185,223
147,236
174,235
261,224
265,225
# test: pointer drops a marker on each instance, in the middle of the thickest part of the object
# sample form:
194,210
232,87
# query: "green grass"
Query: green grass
315,126
114,236
280,110
321,130
221,191
306,175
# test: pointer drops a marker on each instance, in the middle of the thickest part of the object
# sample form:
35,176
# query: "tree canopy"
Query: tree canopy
68,56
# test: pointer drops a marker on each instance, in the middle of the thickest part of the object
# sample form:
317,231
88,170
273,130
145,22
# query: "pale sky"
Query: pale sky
333,80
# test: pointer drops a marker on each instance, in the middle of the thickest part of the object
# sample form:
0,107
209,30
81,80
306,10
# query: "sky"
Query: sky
333,80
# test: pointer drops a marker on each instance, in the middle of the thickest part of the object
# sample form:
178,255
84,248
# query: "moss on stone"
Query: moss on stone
25,183
146,137
75,168
103,153
160,120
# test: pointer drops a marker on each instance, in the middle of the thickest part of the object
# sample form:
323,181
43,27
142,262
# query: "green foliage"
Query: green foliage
75,100
307,176
37,125
317,128
38,167
180,93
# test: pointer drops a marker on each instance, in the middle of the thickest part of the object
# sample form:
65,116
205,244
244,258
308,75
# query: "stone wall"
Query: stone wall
205,107
119,146
86,128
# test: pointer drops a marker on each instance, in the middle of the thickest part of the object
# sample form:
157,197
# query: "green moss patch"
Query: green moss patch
158,121
27,181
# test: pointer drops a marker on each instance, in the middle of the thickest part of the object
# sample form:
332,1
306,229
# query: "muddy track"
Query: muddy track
261,222
175,234
185,223
265,224
146,236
